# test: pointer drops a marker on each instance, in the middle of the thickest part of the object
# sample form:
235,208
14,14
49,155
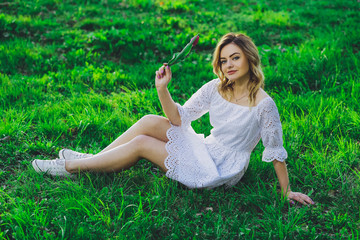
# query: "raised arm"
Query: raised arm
162,79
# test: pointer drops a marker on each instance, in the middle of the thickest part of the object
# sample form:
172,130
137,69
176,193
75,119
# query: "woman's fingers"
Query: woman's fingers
163,74
305,199
309,200
163,71
160,73
167,71
301,198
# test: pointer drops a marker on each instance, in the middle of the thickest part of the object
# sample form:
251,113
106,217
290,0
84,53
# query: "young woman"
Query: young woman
240,113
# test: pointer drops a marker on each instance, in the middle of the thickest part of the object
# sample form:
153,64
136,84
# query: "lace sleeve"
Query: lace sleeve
271,132
197,105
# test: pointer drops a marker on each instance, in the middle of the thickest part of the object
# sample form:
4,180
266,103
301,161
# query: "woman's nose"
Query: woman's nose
229,63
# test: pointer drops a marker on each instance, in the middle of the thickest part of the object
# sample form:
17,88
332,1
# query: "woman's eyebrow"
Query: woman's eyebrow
231,55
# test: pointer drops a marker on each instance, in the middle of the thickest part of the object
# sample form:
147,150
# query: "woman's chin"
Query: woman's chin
232,78
240,78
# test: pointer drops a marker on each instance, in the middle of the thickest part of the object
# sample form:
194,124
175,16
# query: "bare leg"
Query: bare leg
150,125
123,156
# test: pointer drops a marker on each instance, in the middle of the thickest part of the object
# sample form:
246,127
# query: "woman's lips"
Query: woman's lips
231,72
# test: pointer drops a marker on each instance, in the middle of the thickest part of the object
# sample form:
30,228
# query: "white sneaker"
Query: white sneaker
70,154
53,167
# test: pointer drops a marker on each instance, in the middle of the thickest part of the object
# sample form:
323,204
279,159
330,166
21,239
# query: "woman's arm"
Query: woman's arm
282,174
162,79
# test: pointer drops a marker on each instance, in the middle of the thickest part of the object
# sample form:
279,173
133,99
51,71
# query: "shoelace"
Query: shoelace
80,155
52,162
57,162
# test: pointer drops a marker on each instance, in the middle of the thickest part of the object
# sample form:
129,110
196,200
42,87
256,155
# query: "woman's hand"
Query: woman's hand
281,172
300,197
163,76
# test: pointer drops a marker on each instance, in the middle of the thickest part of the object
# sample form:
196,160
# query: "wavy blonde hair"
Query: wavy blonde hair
252,54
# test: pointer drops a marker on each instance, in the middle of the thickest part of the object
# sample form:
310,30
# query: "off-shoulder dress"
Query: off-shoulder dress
223,156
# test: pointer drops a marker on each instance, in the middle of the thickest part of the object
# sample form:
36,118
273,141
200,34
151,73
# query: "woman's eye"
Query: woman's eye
236,58
223,62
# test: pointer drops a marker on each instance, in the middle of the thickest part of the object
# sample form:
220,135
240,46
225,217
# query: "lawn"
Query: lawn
76,74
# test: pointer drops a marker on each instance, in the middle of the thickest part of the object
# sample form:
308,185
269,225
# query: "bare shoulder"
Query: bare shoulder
260,95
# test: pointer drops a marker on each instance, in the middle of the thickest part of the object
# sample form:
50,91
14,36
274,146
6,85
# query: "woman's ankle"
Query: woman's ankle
69,166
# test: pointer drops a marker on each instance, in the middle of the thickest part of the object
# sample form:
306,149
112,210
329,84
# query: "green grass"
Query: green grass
76,74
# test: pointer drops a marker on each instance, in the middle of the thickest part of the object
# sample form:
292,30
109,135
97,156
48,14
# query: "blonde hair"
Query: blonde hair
252,54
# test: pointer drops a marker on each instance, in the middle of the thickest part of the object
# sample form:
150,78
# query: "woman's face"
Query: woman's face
233,62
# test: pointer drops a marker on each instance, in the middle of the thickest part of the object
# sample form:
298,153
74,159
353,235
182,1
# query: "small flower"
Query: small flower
195,42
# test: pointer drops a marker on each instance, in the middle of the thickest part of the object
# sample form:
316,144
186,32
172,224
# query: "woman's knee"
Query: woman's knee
151,149
154,122
141,142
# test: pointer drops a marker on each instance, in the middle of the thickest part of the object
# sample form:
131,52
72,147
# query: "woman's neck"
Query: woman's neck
241,85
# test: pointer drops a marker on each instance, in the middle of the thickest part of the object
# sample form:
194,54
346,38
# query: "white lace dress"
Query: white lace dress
223,156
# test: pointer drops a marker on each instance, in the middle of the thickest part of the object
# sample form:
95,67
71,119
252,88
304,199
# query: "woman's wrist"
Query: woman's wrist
286,192
161,88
